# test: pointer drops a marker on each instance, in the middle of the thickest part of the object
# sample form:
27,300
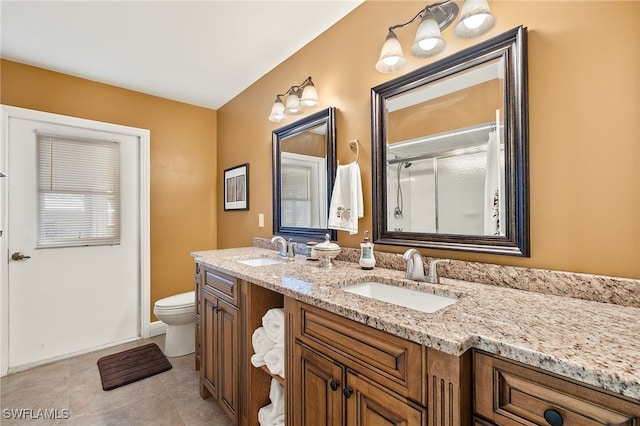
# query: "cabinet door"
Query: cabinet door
228,358
316,385
208,338
371,405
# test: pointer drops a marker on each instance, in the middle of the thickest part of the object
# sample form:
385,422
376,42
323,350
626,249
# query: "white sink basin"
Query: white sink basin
413,299
261,261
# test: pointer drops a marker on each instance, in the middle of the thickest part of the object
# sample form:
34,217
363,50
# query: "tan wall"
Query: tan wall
468,107
584,126
183,160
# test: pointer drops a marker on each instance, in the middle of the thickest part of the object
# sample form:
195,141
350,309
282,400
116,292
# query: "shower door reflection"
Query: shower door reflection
444,192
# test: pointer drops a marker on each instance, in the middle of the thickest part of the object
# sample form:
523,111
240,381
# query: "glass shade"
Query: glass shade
475,19
293,106
309,96
428,41
277,112
391,57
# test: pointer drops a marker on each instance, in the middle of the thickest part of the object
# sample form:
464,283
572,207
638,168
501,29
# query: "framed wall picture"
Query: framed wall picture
236,188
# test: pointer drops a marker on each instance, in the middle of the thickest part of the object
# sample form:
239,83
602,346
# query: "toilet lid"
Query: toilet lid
178,301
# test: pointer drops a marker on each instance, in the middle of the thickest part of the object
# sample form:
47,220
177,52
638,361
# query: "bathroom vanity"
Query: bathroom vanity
497,356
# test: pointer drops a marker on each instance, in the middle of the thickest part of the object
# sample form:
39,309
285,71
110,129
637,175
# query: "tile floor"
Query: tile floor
169,398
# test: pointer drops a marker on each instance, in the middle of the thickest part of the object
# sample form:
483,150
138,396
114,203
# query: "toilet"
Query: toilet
179,314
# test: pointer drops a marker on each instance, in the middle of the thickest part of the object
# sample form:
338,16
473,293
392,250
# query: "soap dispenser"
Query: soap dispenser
367,261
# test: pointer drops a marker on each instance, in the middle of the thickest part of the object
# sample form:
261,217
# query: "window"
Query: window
295,194
79,191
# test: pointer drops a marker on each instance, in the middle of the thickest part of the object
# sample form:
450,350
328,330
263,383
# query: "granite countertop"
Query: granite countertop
595,343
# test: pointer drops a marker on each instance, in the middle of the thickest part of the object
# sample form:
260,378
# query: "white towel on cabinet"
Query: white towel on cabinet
273,414
261,345
273,323
274,359
346,200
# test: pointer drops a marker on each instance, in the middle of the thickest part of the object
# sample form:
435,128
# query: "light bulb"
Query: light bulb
428,44
473,22
391,60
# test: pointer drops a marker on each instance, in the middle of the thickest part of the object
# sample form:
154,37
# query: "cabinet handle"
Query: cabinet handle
347,392
553,417
334,385
217,310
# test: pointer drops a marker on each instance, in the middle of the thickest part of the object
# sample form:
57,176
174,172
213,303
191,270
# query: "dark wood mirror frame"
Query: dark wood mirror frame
328,117
512,46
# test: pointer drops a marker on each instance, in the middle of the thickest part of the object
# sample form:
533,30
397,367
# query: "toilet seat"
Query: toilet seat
166,312
177,302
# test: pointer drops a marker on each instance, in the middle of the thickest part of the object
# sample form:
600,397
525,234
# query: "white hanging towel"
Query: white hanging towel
346,200
492,207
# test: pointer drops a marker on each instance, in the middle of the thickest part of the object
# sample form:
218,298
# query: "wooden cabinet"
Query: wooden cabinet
509,393
346,373
342,372
228,311
219,342
331,394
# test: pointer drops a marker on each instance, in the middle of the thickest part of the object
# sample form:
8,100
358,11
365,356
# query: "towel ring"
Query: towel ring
355,146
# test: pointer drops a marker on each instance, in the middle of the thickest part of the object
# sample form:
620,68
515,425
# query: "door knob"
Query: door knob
19,256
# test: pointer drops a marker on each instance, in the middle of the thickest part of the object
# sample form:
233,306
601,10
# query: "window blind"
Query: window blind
79,191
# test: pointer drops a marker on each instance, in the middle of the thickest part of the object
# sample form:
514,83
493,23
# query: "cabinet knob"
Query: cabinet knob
553,417
334,385
347,392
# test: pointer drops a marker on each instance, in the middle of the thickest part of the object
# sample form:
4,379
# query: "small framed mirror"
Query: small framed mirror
449,147
304,166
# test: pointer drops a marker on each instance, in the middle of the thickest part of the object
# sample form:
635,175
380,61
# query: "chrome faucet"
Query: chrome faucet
415,267
433,277
279,241
286,248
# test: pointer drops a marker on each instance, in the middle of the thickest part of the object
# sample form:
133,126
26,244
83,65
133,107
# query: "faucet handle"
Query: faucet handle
433,277
290,249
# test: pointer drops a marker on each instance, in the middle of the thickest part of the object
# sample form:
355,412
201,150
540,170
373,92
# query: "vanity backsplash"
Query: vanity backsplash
597,288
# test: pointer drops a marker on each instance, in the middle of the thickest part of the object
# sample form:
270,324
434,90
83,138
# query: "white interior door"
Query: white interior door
69,300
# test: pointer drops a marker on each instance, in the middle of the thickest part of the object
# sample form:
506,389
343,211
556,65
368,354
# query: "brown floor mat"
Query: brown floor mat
132,365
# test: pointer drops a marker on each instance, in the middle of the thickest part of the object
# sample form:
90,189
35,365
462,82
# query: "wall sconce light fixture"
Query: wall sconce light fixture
475,19
298,98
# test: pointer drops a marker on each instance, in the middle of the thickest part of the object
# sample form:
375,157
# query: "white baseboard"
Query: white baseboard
157,328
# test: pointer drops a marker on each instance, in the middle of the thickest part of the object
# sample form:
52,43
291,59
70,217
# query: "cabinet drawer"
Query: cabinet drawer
512,394
389,360
222,285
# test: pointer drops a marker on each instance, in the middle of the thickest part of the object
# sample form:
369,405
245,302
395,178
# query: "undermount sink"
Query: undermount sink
261,261
412,299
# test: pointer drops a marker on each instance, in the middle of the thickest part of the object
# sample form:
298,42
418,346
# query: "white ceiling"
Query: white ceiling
199,52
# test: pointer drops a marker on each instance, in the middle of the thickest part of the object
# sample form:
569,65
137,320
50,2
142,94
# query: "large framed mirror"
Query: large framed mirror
450,152
304,166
